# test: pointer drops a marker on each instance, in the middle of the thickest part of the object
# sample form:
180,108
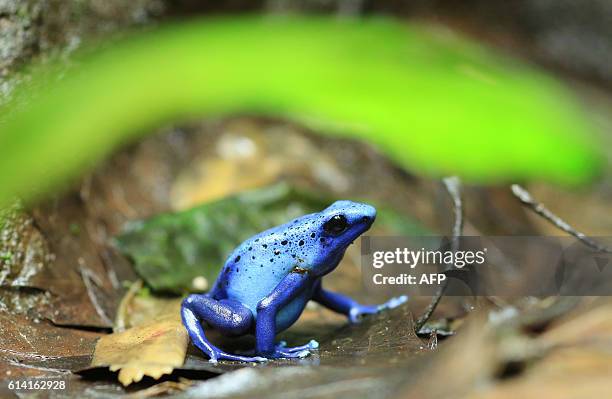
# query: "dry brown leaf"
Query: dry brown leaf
151,348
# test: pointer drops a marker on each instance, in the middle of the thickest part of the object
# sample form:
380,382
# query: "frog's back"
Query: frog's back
259,264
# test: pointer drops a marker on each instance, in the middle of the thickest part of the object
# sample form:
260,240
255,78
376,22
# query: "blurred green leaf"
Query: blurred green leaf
433,102
169,251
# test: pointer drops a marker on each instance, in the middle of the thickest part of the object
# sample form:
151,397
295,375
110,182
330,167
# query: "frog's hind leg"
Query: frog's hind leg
227,316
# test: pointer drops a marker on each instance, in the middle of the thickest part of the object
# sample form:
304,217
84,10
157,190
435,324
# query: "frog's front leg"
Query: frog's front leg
347,306
265,328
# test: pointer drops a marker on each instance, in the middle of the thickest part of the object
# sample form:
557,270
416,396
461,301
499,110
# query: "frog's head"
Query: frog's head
339,225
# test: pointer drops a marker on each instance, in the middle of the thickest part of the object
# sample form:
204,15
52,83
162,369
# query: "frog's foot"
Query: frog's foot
281,350
287,353
282,346
220,355
215,354
357,312
393,302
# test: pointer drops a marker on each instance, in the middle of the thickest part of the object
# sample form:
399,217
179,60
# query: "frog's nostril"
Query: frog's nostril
365,219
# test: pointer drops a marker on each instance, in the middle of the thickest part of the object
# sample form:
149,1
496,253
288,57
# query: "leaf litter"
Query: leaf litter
490,354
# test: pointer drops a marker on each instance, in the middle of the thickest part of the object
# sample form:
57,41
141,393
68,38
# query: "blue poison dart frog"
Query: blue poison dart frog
267,281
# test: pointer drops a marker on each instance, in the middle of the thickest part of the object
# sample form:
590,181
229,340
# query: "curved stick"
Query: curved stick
453,187
526,199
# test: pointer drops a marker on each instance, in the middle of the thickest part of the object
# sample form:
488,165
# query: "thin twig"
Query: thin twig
89,279
122,311
453,187
526,199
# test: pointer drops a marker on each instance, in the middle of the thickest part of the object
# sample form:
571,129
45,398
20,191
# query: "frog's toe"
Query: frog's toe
282,346
395,302
286,354
238,358
302,354
313,344
357,312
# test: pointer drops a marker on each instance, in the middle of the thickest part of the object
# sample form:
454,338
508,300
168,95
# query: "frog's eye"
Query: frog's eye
335,225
